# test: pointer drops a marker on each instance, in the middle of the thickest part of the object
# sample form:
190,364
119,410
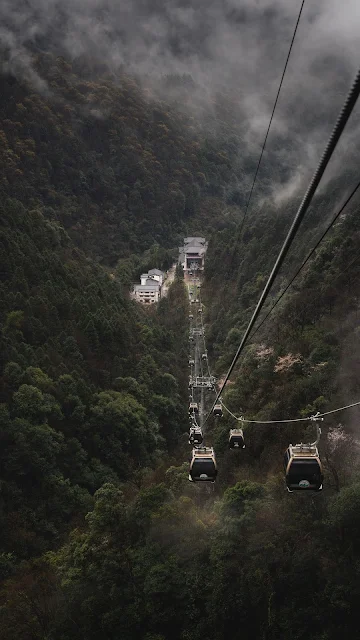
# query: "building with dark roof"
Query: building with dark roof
192,253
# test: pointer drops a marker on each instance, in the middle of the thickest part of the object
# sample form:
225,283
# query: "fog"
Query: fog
232,49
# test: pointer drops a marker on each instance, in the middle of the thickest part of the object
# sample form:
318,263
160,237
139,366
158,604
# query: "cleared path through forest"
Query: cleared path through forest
168,280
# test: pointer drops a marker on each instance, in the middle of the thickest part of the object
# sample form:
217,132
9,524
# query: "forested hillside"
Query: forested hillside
93,389
118,170
305,354
101,534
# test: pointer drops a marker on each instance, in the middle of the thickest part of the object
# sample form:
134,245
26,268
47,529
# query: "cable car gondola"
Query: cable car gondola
191,316
203,466
193,408
303,468
195,435
191,362
217,411
204,357
236,439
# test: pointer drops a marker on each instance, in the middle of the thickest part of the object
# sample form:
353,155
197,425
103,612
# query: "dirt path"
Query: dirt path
168,280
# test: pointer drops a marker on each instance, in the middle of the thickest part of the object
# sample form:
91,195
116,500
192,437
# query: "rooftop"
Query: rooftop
196,250
150,285
194,240
155,272
195,245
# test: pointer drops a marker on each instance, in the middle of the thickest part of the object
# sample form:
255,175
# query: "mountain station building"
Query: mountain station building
192,254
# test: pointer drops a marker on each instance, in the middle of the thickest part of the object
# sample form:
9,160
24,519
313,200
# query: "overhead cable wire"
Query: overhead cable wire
356,259
239,418
324,161
203,332
318,415
242,419
195,421
206,353
200,362
238,236
310,254
348,406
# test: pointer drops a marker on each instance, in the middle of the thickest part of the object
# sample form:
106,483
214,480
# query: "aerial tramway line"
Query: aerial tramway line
302,463
203,467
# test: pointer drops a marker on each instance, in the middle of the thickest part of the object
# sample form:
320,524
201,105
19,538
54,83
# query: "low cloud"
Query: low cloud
233,49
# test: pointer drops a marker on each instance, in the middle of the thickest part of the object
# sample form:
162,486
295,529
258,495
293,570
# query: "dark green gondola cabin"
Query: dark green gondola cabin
303,468
203,467
236,439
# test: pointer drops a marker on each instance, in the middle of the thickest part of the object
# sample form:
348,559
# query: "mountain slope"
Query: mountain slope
116,168
92,386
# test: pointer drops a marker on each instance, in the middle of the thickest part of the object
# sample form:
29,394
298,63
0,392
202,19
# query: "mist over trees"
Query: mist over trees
121,131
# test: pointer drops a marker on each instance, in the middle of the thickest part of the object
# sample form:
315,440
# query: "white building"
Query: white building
143,278
149,289
157,275
192,254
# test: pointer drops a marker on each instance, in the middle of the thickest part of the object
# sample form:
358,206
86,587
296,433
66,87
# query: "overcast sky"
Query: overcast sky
231,47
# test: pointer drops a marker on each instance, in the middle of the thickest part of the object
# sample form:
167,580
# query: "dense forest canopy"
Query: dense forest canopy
123,128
